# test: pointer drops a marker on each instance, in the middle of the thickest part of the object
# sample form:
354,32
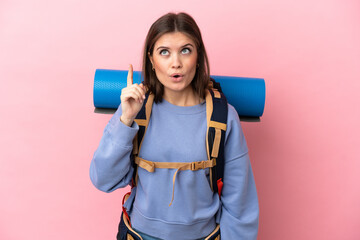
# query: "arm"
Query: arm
110,167
240,210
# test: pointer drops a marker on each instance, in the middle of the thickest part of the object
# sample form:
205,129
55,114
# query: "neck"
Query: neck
182,98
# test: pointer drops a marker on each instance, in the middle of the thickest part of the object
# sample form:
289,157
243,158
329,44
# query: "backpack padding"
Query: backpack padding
216,130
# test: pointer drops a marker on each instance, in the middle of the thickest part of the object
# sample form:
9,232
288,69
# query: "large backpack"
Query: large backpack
216,118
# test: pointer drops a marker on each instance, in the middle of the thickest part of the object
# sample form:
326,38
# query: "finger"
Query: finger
130,98
142,90
139,92
134,92
130,76
143,87
139,88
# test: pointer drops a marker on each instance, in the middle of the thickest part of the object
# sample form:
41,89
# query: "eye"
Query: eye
186,51
164,52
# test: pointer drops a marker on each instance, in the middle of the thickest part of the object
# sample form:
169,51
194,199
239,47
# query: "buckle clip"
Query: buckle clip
193,166
197,165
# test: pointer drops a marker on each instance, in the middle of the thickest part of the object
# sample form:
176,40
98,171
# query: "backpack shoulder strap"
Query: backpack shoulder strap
216,117
142,119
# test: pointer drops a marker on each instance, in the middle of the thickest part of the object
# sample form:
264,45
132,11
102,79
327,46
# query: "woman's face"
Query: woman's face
175,58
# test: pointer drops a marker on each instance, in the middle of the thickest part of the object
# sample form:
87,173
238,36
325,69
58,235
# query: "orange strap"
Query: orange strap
216,231
180,166
145,123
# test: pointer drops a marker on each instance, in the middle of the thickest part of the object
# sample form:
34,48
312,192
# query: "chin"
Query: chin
181,87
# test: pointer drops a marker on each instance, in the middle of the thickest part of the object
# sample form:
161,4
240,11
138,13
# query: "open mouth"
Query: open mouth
176,75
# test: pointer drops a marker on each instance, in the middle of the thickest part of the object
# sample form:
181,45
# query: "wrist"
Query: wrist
126,121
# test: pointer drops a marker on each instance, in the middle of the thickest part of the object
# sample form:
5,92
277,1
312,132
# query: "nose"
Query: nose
176,61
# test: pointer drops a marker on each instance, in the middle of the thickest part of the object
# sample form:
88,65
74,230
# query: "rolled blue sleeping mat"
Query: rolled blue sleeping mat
247,95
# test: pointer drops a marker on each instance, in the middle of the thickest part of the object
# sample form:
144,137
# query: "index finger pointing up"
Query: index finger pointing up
130,76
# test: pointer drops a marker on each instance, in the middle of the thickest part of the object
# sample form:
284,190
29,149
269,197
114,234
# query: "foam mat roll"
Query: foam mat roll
247,95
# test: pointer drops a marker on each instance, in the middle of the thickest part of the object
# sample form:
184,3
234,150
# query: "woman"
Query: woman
176,73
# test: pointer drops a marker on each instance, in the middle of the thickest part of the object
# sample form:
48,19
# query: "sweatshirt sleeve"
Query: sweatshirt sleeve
110,166
240,210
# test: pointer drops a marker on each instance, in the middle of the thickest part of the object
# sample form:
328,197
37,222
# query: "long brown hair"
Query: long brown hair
171,22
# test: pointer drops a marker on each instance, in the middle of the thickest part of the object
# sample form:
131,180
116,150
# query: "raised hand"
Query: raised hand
132,98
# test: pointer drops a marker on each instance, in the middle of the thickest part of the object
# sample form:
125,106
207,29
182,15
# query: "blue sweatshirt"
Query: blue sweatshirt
177,134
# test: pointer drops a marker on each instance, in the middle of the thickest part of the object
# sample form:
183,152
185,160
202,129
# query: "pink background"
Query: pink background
304,152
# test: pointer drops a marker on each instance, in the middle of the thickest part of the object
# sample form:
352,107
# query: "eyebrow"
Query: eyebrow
186,45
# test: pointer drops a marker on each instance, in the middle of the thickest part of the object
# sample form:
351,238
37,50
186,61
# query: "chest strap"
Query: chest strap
180,166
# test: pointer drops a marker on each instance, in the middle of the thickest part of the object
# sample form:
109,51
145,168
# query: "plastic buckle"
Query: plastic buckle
197,165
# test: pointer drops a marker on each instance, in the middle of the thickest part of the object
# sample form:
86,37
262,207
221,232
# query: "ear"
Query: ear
151,58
